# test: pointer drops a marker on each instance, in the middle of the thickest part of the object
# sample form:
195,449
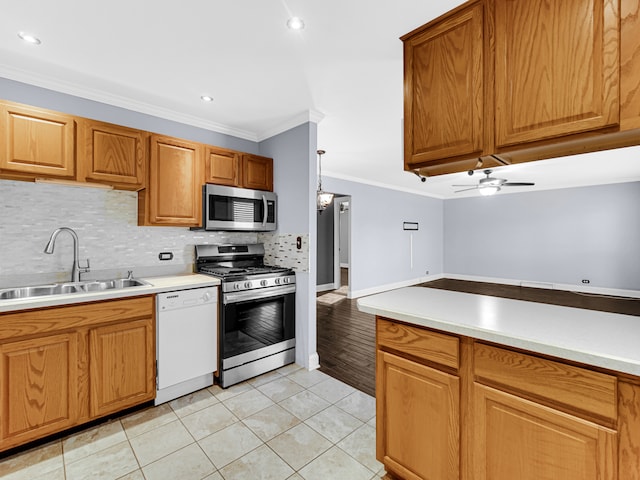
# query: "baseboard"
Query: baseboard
615,292
326,287
314,361
393,286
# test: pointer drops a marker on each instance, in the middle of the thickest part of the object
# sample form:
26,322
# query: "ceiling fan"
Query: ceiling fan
491,185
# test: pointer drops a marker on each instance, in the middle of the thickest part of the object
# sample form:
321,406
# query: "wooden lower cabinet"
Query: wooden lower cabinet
518,438
418,419
38,387
453,407
64,366
121,359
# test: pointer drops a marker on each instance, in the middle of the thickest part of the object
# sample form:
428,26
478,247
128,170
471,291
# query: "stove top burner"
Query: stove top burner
241,267
246,272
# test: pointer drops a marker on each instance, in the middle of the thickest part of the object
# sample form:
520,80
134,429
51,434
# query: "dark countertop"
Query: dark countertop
589,301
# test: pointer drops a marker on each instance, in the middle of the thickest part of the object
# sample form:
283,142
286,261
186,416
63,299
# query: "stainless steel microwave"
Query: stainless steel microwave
230,208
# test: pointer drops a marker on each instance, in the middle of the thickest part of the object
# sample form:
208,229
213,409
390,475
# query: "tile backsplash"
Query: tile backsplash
107,228
281,249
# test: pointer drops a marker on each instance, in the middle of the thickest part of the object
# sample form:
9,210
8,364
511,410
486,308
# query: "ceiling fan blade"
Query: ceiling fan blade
466,189
518,184
465,185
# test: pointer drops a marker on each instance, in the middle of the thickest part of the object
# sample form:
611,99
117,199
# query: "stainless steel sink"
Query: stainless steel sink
67,288
96,286
37,291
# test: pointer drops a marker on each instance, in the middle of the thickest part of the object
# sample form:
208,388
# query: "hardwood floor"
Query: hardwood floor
346,336
347,343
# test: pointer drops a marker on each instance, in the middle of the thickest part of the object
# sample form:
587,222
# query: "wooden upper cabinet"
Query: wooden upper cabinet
556,68
257,172
174,193
111,154
629,64
223,167
36,142
443,90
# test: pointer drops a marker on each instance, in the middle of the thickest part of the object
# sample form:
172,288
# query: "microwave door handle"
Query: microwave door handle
264,211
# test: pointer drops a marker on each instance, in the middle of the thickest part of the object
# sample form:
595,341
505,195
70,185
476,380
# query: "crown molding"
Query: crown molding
78,90
313,116
373,183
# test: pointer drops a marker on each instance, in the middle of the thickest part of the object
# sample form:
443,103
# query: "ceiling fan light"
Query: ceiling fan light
489,190
295,23
29,38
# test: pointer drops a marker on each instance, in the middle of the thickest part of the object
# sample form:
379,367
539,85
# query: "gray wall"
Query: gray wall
345,219
326,232
380,248
294,181
556,236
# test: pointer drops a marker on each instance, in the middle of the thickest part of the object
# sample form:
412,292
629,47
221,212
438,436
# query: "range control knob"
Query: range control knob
263,283
285,279
278,281
236,286
247,284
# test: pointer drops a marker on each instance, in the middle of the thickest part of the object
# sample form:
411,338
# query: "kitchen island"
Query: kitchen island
480,387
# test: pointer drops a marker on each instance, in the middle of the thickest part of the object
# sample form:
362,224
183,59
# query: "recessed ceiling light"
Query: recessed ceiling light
295,23
27,37
206,98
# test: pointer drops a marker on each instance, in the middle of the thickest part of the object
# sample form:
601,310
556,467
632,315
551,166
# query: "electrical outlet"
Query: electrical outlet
585,281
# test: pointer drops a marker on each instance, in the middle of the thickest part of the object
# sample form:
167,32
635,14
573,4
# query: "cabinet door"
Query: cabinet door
112,154
516,438
223,167
257,172
443,92
418,432
38,387
36,142
121,366
556,68
175,182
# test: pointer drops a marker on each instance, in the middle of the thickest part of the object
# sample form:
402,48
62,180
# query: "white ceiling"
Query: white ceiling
344,70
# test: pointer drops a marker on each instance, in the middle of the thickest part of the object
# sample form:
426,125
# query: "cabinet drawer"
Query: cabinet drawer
554,383
418,342
47,320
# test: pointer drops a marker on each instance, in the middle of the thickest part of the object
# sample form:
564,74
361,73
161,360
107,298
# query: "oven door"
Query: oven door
256,323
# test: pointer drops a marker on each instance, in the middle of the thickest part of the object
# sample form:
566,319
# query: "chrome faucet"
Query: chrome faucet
76,270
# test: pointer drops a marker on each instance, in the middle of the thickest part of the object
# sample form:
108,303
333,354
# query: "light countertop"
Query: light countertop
156,285
607,340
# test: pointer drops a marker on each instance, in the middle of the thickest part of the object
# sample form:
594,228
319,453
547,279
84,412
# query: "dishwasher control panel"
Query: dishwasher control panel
187,298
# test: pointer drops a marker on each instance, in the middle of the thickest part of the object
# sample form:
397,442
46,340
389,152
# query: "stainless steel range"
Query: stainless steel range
257,318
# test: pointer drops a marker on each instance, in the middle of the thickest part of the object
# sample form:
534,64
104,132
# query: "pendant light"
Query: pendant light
323,198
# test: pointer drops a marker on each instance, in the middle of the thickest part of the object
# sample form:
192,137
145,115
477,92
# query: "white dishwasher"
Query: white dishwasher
186,341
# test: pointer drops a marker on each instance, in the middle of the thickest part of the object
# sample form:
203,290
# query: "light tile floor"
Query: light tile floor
287,424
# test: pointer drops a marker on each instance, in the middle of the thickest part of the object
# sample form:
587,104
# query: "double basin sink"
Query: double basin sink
70,287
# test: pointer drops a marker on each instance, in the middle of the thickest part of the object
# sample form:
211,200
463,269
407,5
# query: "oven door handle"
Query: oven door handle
257,294
265,210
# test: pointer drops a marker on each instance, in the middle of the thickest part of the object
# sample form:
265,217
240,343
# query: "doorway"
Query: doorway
333,246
